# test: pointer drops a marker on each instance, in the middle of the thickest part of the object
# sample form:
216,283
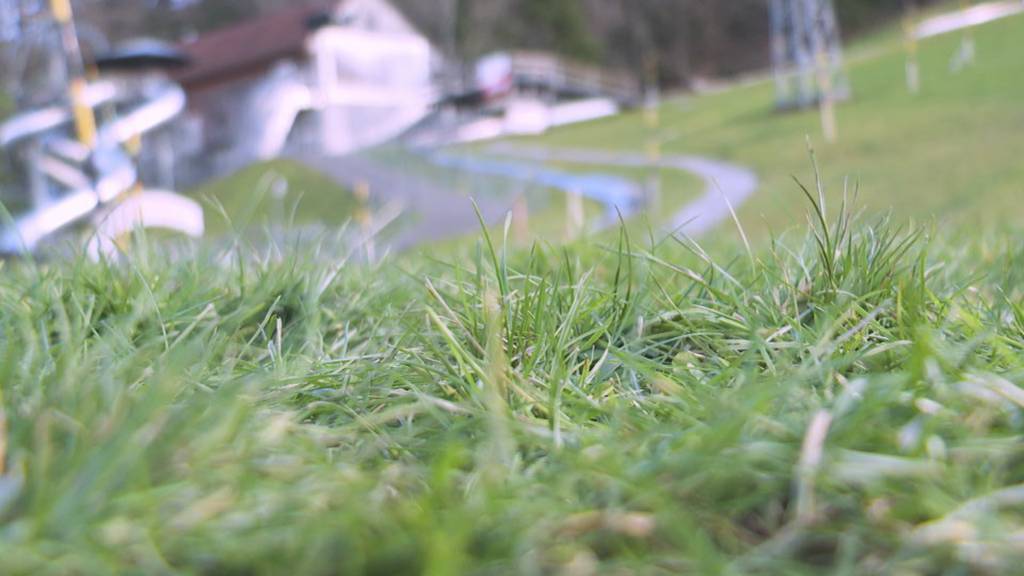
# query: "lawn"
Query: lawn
842,399
953,152
274,194
847,403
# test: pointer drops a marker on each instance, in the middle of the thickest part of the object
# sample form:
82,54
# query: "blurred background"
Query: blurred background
385,117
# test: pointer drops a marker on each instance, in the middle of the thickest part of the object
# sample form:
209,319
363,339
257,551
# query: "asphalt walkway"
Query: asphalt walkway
432,210
725,183
436,210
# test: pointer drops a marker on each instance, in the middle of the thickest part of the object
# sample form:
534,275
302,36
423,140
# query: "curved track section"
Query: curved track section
725,184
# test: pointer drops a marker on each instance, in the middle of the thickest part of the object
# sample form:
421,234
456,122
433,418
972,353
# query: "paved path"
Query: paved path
437,211
432,210
618,195
725,183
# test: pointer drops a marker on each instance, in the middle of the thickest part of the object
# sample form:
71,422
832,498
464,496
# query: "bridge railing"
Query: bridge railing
561,74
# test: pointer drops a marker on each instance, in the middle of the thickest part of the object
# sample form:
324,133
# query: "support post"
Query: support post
652,120
521,219
364,218
574,215
968,48
85,120
911,47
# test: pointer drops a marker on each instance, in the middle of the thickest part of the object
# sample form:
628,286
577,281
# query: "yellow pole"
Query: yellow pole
575,215
826,99
364,218
652,118
521,219
85,120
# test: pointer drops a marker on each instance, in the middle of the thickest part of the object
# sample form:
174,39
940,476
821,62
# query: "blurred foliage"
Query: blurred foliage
557,26
685,37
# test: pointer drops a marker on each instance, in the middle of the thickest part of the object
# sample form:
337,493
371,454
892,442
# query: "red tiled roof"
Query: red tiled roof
248,47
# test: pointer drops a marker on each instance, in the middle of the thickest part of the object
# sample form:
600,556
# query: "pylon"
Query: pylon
807,53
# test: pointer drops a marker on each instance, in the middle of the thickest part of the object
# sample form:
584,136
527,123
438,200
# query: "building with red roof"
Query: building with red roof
313,78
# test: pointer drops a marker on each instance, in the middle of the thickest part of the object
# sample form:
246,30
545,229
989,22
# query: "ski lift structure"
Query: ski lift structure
807,58
807,53
77,156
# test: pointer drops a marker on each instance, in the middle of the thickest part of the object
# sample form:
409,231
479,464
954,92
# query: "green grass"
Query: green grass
841,403
951,152
677,189
246,200
276,193
547,223
845,398
548,208
6,106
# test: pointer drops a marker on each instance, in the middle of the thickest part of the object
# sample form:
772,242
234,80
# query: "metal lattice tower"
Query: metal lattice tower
807,53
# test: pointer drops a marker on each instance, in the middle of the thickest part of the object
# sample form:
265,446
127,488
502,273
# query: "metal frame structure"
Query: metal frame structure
77,165
807,53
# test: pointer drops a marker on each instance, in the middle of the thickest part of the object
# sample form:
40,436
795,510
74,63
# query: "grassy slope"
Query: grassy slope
248,198
952,151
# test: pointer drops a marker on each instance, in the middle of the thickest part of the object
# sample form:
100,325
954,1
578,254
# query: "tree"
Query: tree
686,37
555,25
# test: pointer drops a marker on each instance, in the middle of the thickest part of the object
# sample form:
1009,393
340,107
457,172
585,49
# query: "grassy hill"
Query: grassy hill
953,151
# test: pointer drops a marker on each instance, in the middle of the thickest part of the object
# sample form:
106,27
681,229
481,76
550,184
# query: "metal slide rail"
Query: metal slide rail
103,176
80,164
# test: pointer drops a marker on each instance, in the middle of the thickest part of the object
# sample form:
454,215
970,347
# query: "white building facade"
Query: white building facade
313,82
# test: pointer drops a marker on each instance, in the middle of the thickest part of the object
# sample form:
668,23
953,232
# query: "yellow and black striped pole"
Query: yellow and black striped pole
85,120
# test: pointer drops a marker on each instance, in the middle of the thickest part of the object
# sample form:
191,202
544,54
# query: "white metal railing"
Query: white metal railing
563,74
